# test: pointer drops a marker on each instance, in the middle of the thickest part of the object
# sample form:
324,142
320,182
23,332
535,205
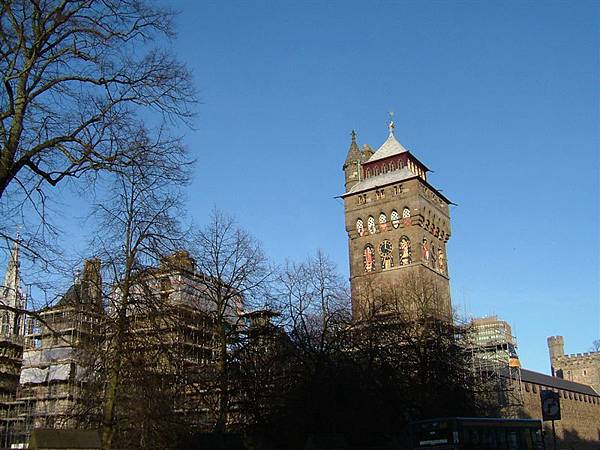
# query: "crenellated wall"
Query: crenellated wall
579,427
579,367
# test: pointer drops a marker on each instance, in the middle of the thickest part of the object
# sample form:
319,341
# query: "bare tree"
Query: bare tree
137,228
315,302
238,278
77,77
596,346
402,360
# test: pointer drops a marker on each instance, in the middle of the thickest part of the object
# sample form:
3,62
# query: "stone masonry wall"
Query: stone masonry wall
579,427
581,367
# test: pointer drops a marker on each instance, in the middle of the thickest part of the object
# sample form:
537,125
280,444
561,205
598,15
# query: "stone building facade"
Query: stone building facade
579,367
397,224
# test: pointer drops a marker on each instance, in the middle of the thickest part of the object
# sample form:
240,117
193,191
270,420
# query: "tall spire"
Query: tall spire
354,154
12,278
11,295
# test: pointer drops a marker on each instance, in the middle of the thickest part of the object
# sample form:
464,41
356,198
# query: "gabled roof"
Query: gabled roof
390,147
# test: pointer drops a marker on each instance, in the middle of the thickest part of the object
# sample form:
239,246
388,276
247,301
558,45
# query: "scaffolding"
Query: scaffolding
50,381
496,364
172,329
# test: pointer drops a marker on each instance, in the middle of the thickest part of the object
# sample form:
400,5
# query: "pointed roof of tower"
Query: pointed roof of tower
354,153
390,147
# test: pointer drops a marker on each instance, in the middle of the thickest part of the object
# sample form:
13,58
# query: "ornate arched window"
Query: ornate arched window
405,251
441,261
406,212
382,222
395,218
371,225
360,227
369,258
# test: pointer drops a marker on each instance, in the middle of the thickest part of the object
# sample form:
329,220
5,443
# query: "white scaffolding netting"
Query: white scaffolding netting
37,357
33,375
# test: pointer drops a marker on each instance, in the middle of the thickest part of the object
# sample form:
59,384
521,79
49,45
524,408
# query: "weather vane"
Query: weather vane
391,126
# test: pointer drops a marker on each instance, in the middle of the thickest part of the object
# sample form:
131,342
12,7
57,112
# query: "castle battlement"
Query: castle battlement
580,355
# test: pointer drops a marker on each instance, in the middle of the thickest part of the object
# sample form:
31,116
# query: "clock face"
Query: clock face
385,248
371,224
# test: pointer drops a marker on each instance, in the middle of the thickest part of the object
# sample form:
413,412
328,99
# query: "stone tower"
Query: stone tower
556,346
397,224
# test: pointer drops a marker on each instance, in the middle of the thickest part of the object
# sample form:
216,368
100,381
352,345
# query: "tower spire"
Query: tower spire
11,295
352,164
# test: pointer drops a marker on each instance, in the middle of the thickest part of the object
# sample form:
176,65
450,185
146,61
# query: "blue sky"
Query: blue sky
499,99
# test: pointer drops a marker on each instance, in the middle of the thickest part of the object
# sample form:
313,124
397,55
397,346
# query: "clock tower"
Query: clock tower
398,226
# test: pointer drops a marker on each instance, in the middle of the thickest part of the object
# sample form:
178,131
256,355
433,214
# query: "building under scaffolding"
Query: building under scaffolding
171,332
51,374
495,361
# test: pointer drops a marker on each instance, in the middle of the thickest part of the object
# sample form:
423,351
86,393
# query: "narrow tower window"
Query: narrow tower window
368,258
405,251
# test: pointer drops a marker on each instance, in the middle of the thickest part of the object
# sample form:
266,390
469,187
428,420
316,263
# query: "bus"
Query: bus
476,433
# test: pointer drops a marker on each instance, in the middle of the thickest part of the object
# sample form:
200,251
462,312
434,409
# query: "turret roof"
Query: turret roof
390,147
354,153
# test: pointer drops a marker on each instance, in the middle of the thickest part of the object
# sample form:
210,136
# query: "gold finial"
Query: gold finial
391,125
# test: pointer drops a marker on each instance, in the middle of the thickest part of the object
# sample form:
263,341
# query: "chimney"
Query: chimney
91,283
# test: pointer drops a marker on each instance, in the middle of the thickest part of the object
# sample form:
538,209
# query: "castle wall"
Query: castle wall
579,427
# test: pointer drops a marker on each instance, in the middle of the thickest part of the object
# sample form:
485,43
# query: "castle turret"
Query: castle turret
556,348
352,165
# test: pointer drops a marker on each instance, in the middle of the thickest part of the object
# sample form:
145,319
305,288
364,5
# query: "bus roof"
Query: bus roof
481,419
